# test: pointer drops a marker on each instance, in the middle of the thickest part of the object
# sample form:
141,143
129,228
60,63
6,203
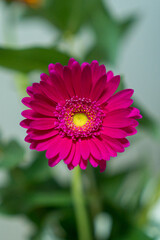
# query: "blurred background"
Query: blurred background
36,201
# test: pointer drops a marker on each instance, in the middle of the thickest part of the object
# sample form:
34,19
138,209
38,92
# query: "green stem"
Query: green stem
83,225
95,197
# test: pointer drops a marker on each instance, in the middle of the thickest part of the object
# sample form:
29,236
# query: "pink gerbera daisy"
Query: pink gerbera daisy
75,117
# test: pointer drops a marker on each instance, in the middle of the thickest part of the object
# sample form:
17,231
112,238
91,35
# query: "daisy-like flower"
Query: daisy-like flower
75,116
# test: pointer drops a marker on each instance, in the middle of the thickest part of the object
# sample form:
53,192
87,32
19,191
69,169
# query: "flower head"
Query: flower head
76,116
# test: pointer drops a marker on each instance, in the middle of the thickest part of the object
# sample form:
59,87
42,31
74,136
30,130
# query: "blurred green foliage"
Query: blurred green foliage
32,189
30,59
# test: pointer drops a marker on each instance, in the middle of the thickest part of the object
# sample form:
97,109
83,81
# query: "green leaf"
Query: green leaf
11,155
43,199
26,60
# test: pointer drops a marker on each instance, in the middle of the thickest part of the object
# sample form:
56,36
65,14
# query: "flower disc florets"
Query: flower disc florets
75,112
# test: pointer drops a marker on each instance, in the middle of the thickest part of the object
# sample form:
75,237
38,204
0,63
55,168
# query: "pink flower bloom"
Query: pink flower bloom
75,117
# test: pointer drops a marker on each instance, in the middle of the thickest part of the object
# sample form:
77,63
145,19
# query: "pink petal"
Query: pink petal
98,88
93,161
124,142
54,161
70,157
67,75
84,148
77,155
56,147
111,87
29,90
44,144
83,65
43,108
95,70
94,149
114,132
120,123
100,144
28,139
37,89
83,164
102,71
118,119
59,69
135,113
126,93
110,75
30,114
102,165
76,78
51,92
40,135
114,143
70,62
43,124
33,145
111,151
45,78
130,130
51,67
26,101
66,148
56,67
70,166
58,84
120,100
123,103
86,81
25,123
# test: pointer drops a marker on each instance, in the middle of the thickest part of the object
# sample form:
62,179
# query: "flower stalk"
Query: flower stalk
84,231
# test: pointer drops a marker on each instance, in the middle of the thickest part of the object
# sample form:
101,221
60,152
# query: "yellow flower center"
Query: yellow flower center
80,119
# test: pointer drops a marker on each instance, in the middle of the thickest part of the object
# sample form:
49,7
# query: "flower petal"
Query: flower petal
98,88
114,132
83,164
102,165
54,161
110,75
94,149
67,75
42,108
76,78
93,161
84,148
111,87
44,134
70,157
86,81
43,124
102,149
77,155
66,148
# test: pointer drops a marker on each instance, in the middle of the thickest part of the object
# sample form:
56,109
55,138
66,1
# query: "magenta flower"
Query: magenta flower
75,117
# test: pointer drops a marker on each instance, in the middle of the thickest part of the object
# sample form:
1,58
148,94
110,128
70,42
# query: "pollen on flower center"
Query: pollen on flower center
80,119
